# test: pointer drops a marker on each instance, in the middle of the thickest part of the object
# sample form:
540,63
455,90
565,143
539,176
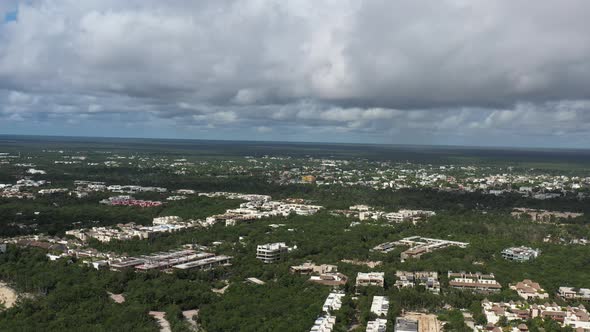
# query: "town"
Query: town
352,264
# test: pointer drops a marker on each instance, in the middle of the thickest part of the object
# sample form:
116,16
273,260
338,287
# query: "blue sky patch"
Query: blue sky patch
11,16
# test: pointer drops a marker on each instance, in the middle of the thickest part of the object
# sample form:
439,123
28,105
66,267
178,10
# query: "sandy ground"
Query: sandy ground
118,298
160,317
7,295
188,315
426,322
220,291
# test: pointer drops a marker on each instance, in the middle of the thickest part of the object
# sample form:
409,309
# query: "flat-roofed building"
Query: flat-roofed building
418,246
572,293
333,302
205,263
380,305
428,279
330,279
520,254
271,252
370,279
309,268
324,324
127,263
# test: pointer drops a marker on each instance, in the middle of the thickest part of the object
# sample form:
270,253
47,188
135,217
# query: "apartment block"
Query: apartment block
476,282
427,279
520,254
271,252
370,279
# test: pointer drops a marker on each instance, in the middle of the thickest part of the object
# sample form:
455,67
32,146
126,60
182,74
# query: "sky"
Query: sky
452,72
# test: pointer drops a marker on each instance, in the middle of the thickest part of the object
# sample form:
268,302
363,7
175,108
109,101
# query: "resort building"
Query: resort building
528,289
271,252
520,254
476,282
370,279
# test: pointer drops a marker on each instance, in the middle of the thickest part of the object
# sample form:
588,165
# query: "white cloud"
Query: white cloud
368,67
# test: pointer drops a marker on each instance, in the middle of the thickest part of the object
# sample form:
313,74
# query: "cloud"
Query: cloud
370,70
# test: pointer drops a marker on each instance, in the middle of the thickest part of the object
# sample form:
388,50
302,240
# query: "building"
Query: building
571,293
476,282
405,325
377,325
205,263
380,305
330,279
418,246
324,324
543,215
310,268
333,302
574,317
427,279
187,259
528,289
166,220
370,279
271,252
520,254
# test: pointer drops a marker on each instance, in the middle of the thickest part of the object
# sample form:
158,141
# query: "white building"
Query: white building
333,302
166,220
520,254
370,279
324,324
271,252
380,305
571,293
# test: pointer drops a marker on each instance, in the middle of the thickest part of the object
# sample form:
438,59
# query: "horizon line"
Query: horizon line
408,145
